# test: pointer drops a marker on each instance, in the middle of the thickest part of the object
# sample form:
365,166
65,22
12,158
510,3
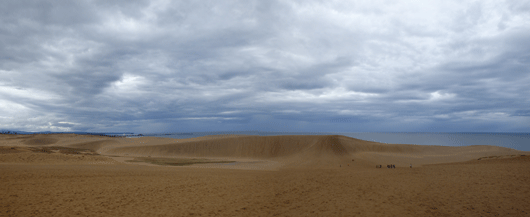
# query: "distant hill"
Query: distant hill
50,132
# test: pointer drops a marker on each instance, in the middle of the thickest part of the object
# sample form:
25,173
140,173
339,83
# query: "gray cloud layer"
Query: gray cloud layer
163,66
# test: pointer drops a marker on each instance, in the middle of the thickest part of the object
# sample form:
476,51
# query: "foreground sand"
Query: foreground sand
270,179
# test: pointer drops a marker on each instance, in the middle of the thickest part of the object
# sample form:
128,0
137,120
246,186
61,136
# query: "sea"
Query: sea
518,141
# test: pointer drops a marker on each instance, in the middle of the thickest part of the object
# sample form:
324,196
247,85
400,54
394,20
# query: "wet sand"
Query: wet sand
275,176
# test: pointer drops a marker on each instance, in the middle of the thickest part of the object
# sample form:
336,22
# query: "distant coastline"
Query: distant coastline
515,140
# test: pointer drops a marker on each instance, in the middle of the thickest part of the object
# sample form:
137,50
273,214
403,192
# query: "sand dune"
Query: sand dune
313,151
282,151
239,147
66,175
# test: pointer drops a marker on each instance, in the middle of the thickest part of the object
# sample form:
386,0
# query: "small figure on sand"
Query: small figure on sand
410,165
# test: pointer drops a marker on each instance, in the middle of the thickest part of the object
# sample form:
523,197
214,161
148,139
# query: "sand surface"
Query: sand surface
80,175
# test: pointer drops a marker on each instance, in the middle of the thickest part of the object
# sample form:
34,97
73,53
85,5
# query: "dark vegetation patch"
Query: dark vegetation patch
40,141
63,150
9,150
175,161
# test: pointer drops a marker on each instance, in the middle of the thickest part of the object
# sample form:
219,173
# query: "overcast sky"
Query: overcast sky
319,66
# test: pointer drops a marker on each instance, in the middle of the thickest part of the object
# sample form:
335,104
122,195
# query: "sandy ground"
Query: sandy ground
272,176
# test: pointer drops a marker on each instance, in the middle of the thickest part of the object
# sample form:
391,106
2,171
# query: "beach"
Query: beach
239,175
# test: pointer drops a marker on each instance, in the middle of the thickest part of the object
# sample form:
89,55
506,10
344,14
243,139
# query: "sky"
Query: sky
285,66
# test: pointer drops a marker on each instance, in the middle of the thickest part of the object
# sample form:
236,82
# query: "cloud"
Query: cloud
150,66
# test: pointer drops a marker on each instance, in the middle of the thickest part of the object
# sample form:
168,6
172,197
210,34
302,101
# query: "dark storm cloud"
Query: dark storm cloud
150,66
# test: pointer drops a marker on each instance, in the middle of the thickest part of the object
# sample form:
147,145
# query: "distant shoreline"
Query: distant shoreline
515,140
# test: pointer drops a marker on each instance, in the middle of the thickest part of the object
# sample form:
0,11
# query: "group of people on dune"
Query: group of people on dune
389,166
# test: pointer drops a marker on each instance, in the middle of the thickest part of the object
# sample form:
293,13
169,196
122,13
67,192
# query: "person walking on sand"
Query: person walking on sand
410,165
